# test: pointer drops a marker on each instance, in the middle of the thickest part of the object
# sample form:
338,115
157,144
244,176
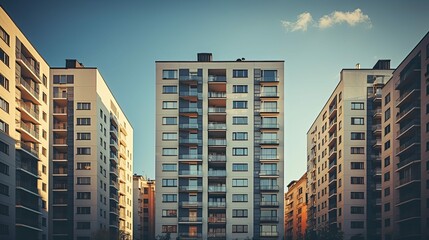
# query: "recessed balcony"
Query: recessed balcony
190,220
269,142
216,142
269,187
269,126
191,204
217,173
29,132
216,126
269,234
29,65
28,91
408,129
216,204
404,147
217,110
190,157
190,188
31,149
217,158
408,96
269,95
271,173
29,111
408,112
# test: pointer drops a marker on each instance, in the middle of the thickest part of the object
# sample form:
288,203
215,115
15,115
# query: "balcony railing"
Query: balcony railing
190,156
21,82
408,160
217,219
269,79
269,219
191,235
60,95
408,126
190,219
60,141
60,171
407,110
217,158
217,204
33,150
269,204
28,167
190,78
269,187
414,140
60,156
216,234
31,186
269,172
269,94
191,188
269,157
269,125
217,142
188,94
217,94
408,179
189,125
190,141
406,95
60,126
60,186
217,173
32,130
191,204
217,126
216,109
190,110
30,65
31,109
269,110
59,110
269,141
269,234
213,78
190,172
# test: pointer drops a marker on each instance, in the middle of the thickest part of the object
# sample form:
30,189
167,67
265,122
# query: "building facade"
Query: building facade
219,149
144,208
405,168
343,156
296,209
24,138
91,157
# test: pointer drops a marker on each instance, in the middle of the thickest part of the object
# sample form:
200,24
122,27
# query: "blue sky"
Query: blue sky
125,38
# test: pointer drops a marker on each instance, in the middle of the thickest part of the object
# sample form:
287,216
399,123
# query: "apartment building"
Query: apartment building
91,157
296,209
219,149
144,208
405,167
24,138
343,156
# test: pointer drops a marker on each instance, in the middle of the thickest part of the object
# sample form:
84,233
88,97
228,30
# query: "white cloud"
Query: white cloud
338,17
301,24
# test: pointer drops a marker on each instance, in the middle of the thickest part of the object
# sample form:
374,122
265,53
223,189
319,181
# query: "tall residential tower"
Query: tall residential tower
219,149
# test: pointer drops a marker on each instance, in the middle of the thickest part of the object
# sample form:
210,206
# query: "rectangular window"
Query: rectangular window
386,130
239,73
4,82
239,182
4,148
169,167
387,191
357,165
83,225
169,120
239,120
387,99
239,151
83,195
239,136
63,79
357,150
169,228
239,197
83,136
4,169
169,152
387,115
358,106
83,166
387,145
239,89
169,74
169,198
169,105
387,176
357,136
4,57
83,106
169,136
83,121
387,207
83,210
4,36
4,127
356,224
169,213
83,181
357,180
357,210
387,161
357,121
240,213
239,167
83,151
169,182
239,104
4,105
4,210
4,189
239,228
169,89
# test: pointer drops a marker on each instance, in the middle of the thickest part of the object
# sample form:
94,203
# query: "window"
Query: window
83,166
83,121
358,106
4,189
387,99
83,136
169,105
83,210
269,153
169,74
63,79
357,150
387,191
357,210
4,57
357,136
83,225
169,120
83,106
83,181
269,75
387,115
169,198
83,151
169,89
4,210
239,228
83,195
239,89
239,182
169,152
4,35
4,105
169,228
169,167
239,151
239,167
386,130
387,207
4,127
387,145
239,104
356,224
357,180
357,165
169,213
239,73
387,161
45,98
239,197
4,82
386,176
238,136
357,121
239,213
239,120
4,169
169,182
169,136
45,80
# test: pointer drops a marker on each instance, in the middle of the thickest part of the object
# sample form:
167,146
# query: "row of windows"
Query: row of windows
172,167
173,152
236,73
235,120
172,89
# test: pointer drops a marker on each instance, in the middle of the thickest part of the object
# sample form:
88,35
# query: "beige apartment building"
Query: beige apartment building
405,167
24,138
219,149
91,157
144,208
296,209
343,156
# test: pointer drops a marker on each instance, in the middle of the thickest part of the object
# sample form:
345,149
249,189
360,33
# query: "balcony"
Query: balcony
190,188
216,219
217,109
190,141
216,235
60,186
190,220
60,141
191,78
269,234
216,142
32,150
376,129
333,111
190,236
190,173
407,162
29,132
410,179
269,187
59,95
269,142
114,170
216,126
377,96
60,110
60,171
189,126
269,79
332,165
407,145
217,173
213,78
332,153
377,114
217,158
114,183
268,219
114,157
408,129
269,157
60,126
407,76
269,126
407,112
217,95
190,95
190,111
27,91
269,173
30,65
28,168
332,125
30,187
377,143
60,156
217,204
269,110
191,204
407,96
190,157
29,111
269,95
